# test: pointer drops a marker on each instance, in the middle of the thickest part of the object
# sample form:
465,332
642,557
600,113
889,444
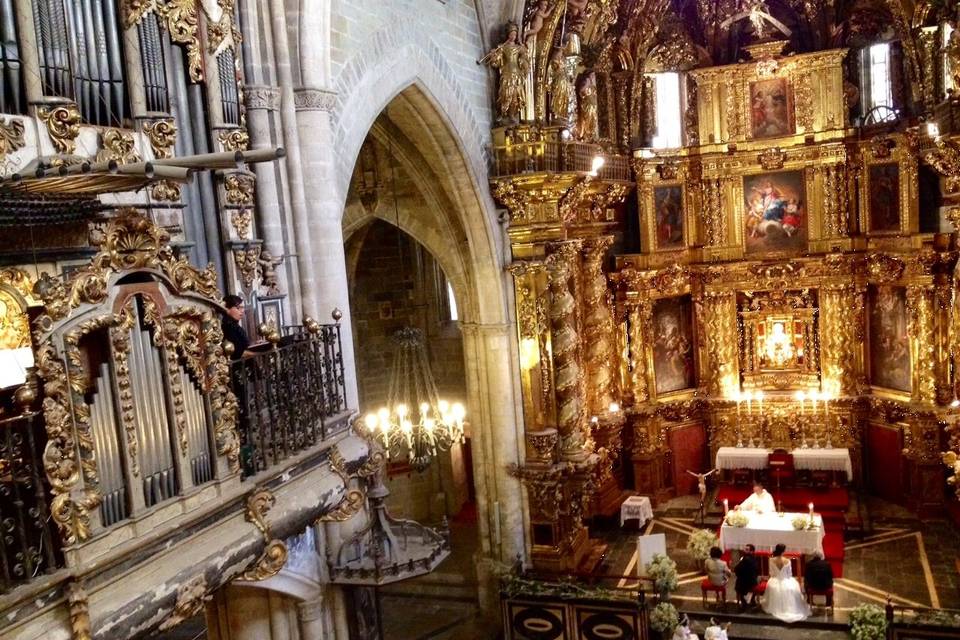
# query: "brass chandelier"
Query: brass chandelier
416,422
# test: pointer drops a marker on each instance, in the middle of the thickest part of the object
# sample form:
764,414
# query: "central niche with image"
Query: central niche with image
775,212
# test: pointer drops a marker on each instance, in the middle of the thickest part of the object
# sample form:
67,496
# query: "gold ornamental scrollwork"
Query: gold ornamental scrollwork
118,145
191,596
882,267
222,33
274,554
11,136
353,499
79,607
63,126
234,139
165,191
239,189
247,259
120,345
162,135
182,22
772,158
241,220
945,159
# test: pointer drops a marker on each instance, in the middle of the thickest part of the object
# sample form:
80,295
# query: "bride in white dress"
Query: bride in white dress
783,598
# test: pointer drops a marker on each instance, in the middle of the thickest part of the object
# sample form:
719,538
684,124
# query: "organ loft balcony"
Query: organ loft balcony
143,466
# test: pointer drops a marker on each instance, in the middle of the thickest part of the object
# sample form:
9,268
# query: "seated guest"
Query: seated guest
717,569
759,501
748,574
818,574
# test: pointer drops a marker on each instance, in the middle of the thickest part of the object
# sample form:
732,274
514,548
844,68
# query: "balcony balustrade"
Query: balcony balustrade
557,156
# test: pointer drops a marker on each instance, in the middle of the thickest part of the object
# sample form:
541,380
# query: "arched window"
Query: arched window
669,111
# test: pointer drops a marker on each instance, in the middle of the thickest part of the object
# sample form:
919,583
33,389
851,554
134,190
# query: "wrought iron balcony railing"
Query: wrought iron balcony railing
29,545
291,397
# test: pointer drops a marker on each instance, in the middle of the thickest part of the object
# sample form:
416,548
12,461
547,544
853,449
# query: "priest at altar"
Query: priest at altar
760,501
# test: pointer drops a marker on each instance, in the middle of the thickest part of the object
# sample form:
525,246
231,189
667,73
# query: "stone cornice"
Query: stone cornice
310,99
262,97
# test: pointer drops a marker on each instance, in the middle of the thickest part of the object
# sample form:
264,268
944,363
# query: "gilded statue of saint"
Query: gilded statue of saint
953,57
561,89
511,58
588,127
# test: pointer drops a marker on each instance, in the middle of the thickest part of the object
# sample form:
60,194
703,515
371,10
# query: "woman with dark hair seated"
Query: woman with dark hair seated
783,598
717,569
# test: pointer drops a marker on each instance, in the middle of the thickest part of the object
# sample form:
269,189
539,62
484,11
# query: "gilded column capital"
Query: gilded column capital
262,97
312,99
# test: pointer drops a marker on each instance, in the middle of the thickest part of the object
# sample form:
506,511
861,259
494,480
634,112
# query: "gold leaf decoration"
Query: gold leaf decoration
63,126
118,145
162,134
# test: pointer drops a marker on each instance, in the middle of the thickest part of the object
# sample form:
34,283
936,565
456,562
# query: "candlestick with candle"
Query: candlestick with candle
811,513
726,506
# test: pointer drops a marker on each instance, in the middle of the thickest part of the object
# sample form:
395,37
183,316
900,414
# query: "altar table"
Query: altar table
834,459
636,507
766,530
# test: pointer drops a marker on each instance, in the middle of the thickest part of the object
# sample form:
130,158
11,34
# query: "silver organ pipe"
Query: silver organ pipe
103,425
198,444
156,456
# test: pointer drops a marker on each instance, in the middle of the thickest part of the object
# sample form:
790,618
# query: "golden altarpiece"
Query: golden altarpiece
783,290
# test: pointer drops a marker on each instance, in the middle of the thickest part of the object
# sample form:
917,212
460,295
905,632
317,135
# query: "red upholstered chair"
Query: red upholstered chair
780,465
826,593
760,589
719,592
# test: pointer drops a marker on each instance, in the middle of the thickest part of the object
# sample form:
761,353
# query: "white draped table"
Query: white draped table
755,458
766,530
823,460
636,507
742,458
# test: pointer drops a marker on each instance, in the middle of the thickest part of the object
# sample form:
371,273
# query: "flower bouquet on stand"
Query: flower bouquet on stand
664,619
699,544
663,571
868,622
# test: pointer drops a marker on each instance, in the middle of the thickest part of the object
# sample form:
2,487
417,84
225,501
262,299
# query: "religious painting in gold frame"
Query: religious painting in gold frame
889,348
883,205
668,218
775,212
771,108
673,342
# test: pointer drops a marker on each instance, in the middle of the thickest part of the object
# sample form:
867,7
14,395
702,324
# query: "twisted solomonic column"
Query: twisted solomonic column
597,327
567,375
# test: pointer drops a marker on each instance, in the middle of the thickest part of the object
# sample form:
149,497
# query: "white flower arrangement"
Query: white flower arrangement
800,522
663,571
737,519
868,622
699,544
664,618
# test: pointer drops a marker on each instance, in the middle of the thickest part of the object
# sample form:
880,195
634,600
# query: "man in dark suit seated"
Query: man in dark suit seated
818,574
747,572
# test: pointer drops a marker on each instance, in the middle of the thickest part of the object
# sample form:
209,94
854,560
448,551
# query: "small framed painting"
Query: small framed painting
771,108
884,197
668,217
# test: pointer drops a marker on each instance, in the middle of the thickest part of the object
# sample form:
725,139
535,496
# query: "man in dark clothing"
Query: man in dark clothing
747,571
818,574
233,331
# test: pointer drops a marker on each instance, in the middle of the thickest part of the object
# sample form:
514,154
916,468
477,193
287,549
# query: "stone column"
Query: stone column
29,54
310,617
326,287
494,422
296,164
263,103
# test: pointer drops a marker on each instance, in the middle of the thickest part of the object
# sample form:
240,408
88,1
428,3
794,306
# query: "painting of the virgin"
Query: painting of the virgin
775,217
771,109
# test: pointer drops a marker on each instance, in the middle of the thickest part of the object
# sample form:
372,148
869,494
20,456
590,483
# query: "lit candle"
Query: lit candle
813,398
614,407
749,405
726,506
811,509
760,402
800,396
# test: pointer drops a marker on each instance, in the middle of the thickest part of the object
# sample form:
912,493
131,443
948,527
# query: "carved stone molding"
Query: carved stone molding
191,597
63,125
307,99
262,97
275,553
118,145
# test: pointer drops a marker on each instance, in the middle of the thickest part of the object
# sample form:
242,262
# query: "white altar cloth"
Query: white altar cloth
636,507
742,458
766,530
823,460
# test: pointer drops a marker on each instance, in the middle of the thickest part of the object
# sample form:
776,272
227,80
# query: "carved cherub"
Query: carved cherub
268,272
536,20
